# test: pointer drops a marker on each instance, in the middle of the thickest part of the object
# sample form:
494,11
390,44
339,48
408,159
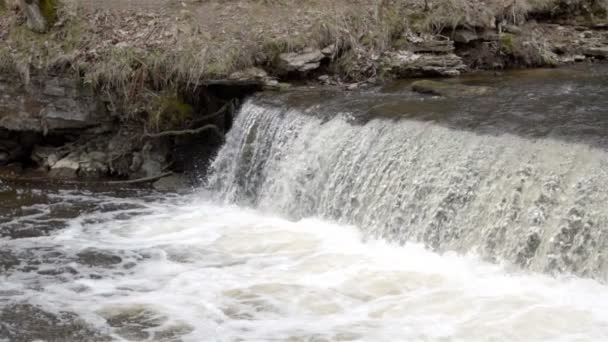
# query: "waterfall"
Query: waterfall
536,203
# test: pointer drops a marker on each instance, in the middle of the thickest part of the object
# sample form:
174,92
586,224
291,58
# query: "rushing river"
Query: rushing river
367,217
186,269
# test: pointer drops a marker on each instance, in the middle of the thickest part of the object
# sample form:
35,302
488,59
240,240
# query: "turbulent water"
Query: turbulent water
377,216
535,203
185,269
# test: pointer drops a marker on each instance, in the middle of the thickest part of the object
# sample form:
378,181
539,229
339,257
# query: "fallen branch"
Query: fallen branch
227,107
186,132
142,180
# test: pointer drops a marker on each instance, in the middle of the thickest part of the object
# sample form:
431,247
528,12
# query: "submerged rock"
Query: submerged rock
447,89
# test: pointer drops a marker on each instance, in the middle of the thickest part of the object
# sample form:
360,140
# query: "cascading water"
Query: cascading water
373,185
536,203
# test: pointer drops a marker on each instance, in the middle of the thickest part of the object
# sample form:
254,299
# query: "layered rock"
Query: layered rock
409,64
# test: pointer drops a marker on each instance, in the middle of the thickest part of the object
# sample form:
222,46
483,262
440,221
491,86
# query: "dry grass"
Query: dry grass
128,46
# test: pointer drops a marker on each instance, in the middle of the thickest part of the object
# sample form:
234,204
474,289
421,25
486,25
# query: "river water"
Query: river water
296,236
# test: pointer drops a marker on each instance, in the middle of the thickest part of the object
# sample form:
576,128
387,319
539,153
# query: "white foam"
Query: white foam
227,273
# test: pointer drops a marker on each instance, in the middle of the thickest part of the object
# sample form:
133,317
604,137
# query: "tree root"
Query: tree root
214,128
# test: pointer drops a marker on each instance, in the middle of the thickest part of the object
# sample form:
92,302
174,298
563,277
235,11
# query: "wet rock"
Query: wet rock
407,64
173,183
97,258
25,322
66,168
300,62
448,89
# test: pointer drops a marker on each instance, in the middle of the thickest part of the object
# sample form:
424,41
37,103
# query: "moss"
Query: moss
507,44
171,113
48,9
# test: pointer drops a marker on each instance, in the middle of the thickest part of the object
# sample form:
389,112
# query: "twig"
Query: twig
185,132
230,105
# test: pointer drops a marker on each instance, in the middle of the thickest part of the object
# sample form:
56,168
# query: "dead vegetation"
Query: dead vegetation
133,47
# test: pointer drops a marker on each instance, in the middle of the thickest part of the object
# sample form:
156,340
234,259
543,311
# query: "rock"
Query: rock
511,29
44,156
154,159
97,258
449,90
93,165
407,64
579,58
352,86
596,51
323,78
174,183
66,168
275,85
10,151
250,75
49,104
330,51
432,46
300,62
465,36
35,19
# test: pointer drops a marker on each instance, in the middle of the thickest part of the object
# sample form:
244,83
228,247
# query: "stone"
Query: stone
448,89
250,74
93,165
432,46
300,62
407,64
44,156
596,51
173,183
154,159
66,168
465,36
49,104
10,151
330,51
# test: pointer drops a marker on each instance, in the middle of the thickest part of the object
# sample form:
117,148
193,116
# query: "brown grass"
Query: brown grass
128,46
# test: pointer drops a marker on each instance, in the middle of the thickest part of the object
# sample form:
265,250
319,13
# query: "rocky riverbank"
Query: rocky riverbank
138,92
